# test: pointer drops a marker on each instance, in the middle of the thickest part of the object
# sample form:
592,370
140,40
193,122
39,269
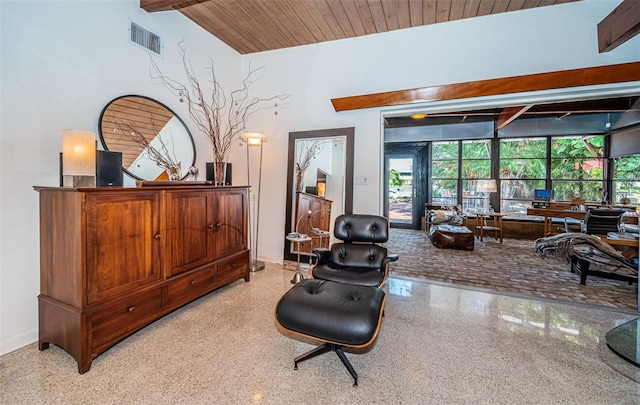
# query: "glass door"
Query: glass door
400,187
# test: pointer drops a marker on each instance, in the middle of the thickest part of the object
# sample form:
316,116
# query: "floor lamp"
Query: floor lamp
255,139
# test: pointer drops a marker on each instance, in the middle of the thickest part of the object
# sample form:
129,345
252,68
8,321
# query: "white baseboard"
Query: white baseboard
18,341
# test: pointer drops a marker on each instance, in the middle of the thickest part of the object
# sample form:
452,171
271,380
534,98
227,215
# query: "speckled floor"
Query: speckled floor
437,344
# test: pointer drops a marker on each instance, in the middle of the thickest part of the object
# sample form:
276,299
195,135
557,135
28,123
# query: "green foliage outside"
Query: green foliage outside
576,168
394,178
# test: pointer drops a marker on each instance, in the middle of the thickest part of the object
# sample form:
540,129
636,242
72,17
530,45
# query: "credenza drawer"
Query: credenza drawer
233,267
190,286
124,317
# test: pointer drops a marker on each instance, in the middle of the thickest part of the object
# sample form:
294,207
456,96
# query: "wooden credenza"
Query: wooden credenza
312,212
113,260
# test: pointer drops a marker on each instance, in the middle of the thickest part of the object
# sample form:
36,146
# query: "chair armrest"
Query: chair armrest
323,254
568,222
389,258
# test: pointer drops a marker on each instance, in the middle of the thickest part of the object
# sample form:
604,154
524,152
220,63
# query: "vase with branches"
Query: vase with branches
220,117
307,151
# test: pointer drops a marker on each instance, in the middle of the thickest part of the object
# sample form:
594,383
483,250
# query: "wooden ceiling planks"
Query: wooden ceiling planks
471,9
336,8
416,13
255,26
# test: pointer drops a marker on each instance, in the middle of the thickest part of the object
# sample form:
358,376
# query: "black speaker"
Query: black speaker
108,168
227,177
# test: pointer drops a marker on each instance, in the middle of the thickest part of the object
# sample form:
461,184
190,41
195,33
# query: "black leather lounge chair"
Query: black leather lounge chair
359,259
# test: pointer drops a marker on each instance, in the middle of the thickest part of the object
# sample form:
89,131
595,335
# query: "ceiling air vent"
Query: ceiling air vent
141,36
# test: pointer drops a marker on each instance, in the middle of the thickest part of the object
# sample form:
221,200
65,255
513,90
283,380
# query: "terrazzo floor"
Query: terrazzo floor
437,345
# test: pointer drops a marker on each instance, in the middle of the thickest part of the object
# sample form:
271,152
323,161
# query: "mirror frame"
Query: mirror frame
349,134
188,133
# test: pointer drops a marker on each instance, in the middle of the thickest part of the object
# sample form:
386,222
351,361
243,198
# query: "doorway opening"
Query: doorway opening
404,187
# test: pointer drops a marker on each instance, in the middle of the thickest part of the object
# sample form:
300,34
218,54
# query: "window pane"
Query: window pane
523,169
627,167
520,189
476,169
567,190
444,150
444,172
569,146
523,148
627,189
626,182
473,204
514,208
444,169
472,200
476,149
577,168
444,192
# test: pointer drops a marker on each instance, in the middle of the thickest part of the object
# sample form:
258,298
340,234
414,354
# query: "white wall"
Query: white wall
525,42
62,62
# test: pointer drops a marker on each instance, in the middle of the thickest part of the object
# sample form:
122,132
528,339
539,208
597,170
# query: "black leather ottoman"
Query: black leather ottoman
335,313
451,237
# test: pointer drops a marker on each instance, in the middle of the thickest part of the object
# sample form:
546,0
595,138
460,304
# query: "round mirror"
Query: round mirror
154,142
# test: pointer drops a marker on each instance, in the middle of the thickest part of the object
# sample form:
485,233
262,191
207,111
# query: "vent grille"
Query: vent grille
145,38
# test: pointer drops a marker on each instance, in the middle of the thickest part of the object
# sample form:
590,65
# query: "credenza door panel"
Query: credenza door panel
190,229
123,242
230,218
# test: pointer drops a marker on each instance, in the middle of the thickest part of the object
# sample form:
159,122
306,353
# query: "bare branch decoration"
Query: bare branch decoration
162,154
307,152
220,118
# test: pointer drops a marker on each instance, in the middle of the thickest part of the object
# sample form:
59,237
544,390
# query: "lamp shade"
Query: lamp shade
254,138
78,153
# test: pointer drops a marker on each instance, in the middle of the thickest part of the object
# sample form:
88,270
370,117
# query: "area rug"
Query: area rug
513,267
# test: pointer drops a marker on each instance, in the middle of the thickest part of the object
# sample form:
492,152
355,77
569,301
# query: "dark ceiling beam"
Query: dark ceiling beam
159,5
624,72
617,104
511,113
620,25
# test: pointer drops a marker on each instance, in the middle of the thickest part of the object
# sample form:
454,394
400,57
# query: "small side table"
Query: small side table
321,234
298,239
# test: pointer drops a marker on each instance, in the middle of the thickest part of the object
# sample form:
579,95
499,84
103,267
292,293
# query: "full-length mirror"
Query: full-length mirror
319,186
155,143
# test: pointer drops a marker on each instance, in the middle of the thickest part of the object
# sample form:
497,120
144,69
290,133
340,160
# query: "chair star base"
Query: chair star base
325,348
